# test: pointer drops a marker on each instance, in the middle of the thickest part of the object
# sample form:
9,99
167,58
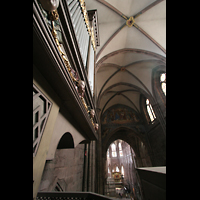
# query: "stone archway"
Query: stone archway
65,170
134,139
66,141
141,158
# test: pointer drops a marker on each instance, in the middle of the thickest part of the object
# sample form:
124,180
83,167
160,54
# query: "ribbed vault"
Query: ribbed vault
132,45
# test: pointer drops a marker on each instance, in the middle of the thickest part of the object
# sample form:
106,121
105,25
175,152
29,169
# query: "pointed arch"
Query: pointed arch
66,141
125,50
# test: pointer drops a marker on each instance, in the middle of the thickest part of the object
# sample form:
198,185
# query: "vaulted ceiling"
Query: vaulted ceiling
132,43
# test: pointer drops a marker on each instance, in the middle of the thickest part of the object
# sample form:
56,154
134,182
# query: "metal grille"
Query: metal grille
41,110
80,28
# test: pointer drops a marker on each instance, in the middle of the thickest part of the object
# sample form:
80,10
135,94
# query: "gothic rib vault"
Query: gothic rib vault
132,43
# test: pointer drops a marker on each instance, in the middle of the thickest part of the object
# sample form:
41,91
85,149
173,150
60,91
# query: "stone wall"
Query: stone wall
66,169
157,140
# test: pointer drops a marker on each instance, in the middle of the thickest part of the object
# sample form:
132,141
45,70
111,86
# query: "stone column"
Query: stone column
93,166
85,172
159,116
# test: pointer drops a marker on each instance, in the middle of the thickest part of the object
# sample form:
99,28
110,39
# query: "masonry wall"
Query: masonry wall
157,140
66,169
40,158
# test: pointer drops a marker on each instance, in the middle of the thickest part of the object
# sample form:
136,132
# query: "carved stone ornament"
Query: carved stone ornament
96,126
50,5
53,15
130,21
92,113
81,88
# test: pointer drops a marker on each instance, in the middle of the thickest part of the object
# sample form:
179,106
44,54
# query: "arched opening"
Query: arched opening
120,165
66,142
131,151
65,170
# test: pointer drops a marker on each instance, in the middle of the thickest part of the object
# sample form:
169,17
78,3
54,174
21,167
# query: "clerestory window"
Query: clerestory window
150,111
163,82
113,147
120,150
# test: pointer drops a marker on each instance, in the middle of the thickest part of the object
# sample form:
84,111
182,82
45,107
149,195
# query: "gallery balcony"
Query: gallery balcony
61,50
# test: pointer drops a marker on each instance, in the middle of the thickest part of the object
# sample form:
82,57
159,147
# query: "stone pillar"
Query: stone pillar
93,166
160,117
100,173
85,169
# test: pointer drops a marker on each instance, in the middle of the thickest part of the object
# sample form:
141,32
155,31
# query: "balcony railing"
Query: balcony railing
61,39
71,195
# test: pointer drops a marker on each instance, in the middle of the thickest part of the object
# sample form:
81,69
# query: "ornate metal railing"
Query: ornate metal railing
71,195
80,27
76,11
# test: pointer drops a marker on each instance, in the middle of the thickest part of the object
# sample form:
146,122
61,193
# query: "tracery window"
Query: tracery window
113,147
120,149
163,82
150,111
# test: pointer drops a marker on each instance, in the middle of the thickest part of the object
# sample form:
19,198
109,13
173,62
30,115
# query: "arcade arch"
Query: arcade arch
136,153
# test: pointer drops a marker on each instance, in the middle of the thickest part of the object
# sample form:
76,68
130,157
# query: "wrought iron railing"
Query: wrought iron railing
71,196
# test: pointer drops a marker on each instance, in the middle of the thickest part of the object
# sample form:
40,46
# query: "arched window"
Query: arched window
66,141
150,111
113,147
117,169
122,170
163,82
120,149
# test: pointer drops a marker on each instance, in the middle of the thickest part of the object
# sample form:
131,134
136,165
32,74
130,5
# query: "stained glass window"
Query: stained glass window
150,111
120,149
114,154
120,146
113,146
163,82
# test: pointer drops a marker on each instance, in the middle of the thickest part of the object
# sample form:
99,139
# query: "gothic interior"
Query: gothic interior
99,99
